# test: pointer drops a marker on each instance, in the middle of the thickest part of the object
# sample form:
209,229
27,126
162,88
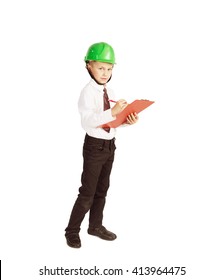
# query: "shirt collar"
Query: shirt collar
97,86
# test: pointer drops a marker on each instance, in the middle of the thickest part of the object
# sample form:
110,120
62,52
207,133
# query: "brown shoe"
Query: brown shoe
102,233
73,240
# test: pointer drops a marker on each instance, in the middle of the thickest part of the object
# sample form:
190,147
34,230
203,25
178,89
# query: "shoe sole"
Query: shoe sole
73,246
99,236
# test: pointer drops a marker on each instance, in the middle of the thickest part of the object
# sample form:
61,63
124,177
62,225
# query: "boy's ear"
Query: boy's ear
87,65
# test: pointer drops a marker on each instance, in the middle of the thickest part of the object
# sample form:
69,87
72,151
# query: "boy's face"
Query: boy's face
101,71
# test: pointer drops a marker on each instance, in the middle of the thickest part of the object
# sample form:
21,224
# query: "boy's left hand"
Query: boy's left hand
132,118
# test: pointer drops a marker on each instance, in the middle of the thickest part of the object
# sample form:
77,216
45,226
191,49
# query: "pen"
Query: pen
112,101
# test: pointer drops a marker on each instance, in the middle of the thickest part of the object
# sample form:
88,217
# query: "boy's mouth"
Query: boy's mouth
104,79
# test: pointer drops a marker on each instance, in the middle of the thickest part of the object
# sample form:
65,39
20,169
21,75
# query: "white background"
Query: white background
165,202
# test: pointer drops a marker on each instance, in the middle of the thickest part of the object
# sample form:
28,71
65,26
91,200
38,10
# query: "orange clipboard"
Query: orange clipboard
135,107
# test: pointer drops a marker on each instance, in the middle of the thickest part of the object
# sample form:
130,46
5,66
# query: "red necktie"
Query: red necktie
106,106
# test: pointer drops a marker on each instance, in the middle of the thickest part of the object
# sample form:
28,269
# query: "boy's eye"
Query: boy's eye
101,68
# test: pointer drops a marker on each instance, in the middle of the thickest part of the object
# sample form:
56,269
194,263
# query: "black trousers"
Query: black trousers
98,157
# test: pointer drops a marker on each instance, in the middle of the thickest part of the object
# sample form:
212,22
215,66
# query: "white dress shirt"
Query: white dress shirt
90,106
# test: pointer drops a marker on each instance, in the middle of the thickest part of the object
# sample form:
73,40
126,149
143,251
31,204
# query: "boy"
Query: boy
99,144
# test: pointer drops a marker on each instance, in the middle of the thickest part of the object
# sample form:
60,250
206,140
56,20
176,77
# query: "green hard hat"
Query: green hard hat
102,52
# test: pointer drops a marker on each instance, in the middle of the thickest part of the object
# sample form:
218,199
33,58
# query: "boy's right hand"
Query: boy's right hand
119,107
